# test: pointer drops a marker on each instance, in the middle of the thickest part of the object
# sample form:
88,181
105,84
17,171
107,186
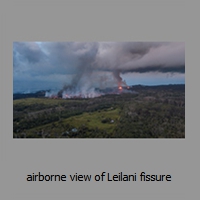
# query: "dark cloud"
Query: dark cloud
161,68
143,57
29,51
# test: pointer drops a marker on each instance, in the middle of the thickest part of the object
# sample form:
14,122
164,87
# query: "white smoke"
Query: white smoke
91,93
51,94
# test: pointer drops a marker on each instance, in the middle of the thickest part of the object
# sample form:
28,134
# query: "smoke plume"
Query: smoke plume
94,66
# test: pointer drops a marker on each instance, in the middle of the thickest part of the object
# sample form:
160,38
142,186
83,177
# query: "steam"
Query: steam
51,94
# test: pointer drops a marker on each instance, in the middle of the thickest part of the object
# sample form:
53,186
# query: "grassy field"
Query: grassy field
43,101
96,119
103,121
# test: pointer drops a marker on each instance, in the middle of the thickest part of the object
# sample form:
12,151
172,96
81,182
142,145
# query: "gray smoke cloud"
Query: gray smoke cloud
95,64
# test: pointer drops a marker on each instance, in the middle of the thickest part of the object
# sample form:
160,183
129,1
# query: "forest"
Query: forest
148,112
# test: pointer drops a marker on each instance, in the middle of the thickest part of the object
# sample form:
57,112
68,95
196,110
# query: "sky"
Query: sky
85,65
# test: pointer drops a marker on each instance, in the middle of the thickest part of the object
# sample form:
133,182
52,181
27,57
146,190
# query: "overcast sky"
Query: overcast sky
50,65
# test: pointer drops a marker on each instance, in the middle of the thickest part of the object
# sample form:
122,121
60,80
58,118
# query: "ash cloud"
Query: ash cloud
94,64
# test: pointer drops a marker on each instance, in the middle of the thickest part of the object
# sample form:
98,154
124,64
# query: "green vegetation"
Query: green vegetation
154,112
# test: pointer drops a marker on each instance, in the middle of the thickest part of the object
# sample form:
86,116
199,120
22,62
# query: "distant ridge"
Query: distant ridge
41,93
